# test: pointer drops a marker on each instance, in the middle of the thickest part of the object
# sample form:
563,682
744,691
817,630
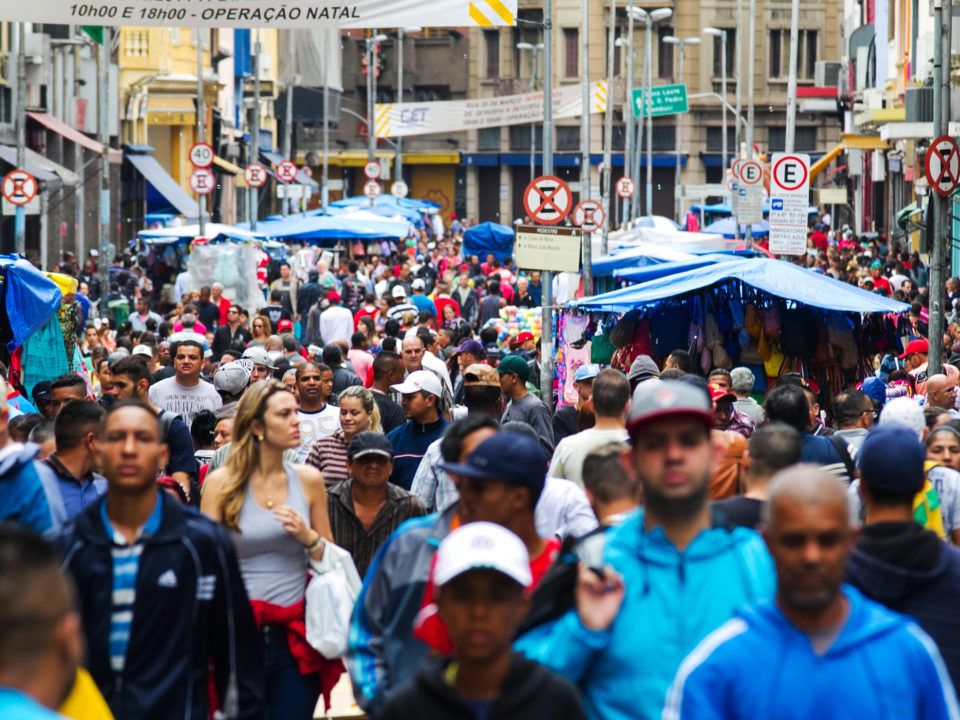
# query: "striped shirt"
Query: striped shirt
126,565
329,456
348,531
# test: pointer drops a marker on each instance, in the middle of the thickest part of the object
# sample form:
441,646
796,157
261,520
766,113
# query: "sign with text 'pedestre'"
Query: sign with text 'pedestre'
548,248
789,202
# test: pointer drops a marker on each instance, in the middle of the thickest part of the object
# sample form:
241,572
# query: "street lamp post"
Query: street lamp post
682,44
627,44
722,34
534,49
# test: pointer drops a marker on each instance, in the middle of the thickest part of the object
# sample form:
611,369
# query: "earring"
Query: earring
260,438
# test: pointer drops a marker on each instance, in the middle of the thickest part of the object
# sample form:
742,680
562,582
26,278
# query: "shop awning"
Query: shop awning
776,277
45,175
161,181
302,179
904,215
73,135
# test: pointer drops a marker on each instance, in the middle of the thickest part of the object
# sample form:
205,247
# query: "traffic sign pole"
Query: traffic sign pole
546,325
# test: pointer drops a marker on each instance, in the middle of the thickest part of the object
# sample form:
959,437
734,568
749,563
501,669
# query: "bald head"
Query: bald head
941,392
806,486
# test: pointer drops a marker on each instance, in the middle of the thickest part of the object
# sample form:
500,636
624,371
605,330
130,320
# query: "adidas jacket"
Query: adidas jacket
191,606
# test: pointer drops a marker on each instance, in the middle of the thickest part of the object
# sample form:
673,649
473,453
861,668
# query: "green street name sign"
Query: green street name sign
664,100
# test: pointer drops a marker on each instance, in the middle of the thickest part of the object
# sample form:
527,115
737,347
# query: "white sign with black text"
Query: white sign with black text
789,201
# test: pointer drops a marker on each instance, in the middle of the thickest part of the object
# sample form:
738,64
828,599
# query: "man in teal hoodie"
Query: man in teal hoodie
672,576
820,648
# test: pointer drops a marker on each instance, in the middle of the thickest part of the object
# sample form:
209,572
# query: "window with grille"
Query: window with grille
664,54
491,40
718,52
571,52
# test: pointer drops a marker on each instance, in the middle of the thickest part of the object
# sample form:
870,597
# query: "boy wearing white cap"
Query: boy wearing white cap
482,573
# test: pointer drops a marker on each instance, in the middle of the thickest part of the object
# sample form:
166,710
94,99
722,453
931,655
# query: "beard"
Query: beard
673,507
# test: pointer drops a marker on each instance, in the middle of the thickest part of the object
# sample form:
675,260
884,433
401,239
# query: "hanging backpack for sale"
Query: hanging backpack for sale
798,332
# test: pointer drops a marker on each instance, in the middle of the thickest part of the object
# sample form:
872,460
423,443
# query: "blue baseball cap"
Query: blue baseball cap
509,457
474,347
586,372
891,459
875,389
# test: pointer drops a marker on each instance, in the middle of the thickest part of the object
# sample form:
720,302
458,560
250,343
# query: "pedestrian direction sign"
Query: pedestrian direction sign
942,165
255,175
547,200
547,248
660,100
789,202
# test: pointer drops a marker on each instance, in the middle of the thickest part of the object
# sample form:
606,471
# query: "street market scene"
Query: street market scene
557,359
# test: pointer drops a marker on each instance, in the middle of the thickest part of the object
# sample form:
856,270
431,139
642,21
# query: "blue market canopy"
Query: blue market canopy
318,228
726,228
488,237
29,299
652,272
213,231
642,255
776,277
362,201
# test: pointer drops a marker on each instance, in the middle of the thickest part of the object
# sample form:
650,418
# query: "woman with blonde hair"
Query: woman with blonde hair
358,412
276,514
260,329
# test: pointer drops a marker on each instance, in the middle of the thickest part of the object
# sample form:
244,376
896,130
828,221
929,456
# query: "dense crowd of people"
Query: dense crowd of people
671,544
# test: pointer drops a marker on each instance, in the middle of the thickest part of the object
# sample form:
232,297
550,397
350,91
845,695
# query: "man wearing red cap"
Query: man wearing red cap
336,322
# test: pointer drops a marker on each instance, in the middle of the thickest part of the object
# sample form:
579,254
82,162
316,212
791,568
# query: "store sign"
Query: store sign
547,248
295,14
403,119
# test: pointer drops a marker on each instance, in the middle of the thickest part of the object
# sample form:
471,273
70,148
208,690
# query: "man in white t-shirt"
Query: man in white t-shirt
317,417
611,392
185,394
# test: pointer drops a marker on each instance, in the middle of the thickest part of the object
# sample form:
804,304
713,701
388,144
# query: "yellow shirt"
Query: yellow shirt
926,506
85,701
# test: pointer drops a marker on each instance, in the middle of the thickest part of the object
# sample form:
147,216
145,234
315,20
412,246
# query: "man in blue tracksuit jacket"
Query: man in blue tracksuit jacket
421,392
682,576
820,649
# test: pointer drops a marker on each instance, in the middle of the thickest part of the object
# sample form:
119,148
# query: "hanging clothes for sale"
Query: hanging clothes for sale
44,356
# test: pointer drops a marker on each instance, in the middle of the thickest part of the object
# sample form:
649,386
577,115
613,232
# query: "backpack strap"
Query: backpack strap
841,445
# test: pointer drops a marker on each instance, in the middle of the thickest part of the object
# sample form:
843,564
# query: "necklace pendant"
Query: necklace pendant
269,504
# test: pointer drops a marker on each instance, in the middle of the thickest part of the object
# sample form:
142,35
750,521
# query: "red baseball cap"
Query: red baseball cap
284,325
333,296
916,346
522,337
718,393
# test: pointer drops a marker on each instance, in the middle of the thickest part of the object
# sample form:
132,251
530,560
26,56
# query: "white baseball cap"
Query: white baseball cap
418,284
142,350
398,291
420,380
482,545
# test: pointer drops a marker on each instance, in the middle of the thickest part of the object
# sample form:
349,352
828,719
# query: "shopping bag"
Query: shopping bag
331,594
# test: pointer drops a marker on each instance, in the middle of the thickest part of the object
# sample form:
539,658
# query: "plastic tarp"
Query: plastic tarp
213,231
639,256
652,272
362,201
326,229
166,186
675,238
29,297
488,237
657,222
776,277
234,265
727,228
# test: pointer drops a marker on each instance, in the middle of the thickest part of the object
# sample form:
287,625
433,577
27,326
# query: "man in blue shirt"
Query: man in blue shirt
819,648
77,429
41,643
419,299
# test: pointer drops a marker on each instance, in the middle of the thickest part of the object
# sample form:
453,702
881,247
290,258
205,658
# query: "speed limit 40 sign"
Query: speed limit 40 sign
201,155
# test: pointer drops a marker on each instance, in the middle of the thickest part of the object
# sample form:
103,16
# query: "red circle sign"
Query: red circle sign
547,200
941,165
625,187
286,171
255,175
201,155
202,181
19,187
751,172
372,189
782,173
588,216
372,170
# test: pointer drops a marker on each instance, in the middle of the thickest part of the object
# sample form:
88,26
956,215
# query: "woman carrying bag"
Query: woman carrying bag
276,514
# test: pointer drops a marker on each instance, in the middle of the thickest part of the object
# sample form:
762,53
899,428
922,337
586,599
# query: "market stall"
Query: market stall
488,237
766,314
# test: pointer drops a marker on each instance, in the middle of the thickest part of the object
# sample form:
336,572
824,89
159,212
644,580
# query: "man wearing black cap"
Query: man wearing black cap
365,509
523,406
686,576
896,561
